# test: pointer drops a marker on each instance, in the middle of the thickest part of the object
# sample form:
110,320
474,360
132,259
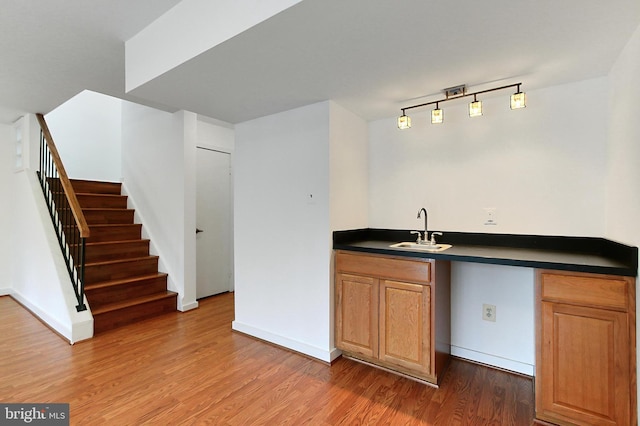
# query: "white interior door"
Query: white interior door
213,223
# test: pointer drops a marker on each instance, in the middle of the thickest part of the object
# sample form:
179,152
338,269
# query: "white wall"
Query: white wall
541,167
200,24
39,278
46,290
282,229
510,341
216,135
349,170
623,180
348,182
158,169
86,130
7,146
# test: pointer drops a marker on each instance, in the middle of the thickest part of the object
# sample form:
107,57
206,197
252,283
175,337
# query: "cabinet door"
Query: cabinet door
583,374
405,325
357,314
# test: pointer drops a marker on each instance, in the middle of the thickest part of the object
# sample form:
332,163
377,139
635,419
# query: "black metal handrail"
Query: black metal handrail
67,217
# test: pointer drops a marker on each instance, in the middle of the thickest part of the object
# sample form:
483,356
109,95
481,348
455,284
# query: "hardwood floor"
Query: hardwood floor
190,368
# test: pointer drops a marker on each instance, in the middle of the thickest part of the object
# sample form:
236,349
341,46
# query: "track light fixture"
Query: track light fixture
475,107
518,100
404,121
437,116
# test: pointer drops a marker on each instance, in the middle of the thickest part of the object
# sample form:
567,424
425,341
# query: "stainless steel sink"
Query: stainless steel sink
422,247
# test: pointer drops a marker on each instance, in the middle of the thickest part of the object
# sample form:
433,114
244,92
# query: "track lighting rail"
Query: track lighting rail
461,96
475,108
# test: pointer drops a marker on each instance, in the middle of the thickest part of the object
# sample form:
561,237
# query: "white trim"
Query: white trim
6,291
499,362
294,345
188,306
80,330
44,316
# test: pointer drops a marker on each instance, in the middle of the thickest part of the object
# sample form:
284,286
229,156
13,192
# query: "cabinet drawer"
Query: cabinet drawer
585,289
418,271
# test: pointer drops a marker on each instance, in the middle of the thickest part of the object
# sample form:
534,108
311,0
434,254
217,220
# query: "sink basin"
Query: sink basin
422,247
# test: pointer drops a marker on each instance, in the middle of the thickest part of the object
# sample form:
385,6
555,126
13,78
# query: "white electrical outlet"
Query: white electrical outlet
489,312
490,217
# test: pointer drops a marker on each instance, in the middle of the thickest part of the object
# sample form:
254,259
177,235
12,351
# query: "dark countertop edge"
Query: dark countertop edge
621,253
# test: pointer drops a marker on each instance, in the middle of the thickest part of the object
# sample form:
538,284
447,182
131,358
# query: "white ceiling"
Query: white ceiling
371,56
50,50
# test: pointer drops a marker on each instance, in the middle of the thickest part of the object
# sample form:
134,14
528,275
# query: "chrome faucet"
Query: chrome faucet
433,238
426,232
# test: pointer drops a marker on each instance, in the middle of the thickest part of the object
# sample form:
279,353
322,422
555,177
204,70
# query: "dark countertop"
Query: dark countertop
579,254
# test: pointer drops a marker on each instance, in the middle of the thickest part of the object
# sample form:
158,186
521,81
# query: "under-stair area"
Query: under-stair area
121,279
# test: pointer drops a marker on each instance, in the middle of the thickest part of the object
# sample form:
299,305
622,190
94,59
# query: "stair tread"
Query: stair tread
99,182
100,194
109,209
123,260
113,225
104,243
97,195
101,243
133,301
110,283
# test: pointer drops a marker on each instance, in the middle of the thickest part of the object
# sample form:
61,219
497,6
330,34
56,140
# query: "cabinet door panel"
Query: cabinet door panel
357,314
405,325
584,365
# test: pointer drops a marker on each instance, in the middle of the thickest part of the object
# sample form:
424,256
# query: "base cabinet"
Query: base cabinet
585,349
394,312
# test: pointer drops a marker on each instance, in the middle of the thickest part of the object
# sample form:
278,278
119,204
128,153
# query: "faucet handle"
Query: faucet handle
419,239
433,237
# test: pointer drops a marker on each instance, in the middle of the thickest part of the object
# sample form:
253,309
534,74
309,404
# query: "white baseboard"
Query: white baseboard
61,329
81,329
187,307
5,291
294,345
334,353
495,361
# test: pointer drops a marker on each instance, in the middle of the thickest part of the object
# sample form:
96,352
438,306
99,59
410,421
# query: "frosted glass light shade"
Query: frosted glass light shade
518,100
437,116
404,122
475,109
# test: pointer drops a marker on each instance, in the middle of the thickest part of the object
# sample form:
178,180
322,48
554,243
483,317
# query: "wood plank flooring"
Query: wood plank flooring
190,368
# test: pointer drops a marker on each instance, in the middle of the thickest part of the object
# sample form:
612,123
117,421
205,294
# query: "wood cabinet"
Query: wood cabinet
394,312
585,349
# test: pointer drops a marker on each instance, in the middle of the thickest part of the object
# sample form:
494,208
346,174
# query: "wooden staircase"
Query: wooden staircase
122,282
